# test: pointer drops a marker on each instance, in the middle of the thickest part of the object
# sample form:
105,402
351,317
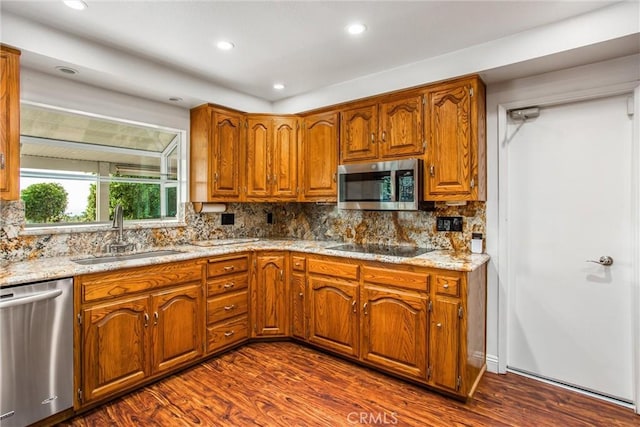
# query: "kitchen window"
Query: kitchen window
76,167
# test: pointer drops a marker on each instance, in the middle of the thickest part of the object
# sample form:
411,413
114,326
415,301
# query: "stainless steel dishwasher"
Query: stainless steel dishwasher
36,347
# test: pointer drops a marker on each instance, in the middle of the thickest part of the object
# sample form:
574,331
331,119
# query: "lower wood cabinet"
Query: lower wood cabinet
227,301
269,295
298,298
394,329
137,324
147,321
333,314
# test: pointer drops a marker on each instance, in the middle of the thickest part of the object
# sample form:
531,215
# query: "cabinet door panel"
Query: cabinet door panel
401,127
227,152
285,158
270,293
334,314
258,166
298,311
320,157
114,347
395,329
444,350
450,153
9,124
177,327
358,133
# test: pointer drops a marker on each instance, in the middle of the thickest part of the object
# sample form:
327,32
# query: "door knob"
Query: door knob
604,260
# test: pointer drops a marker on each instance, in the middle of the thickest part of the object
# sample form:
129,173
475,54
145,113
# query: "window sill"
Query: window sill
92,228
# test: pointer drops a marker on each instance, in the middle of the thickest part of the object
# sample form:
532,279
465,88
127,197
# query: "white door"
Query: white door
569,200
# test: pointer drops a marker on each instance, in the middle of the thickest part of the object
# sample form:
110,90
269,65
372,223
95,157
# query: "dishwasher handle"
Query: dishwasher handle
30,298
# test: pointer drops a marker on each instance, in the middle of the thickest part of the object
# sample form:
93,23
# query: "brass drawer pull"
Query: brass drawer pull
229,268
446,286
229,285
229,333
229,307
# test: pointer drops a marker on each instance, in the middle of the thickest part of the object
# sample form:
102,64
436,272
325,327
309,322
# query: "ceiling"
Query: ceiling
302,44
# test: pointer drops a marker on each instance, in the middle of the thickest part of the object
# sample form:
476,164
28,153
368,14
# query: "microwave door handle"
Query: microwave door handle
394,187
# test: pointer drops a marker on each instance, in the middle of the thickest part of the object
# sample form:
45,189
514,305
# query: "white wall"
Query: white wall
537,88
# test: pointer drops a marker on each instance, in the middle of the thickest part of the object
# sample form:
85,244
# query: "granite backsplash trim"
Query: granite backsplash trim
306,221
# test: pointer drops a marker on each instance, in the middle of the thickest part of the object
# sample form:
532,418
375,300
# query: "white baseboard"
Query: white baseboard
492,363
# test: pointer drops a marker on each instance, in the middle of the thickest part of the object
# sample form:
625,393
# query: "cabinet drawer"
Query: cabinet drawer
222,267
402,279
298,263
227,284
448,285
224,334
333,268
227,306
113,284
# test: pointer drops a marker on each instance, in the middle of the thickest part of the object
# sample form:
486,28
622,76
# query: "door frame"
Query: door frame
503,237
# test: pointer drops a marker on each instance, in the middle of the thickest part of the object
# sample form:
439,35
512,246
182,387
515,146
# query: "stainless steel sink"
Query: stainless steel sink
125,257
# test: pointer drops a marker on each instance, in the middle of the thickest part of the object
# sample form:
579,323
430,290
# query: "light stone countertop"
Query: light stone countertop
14,273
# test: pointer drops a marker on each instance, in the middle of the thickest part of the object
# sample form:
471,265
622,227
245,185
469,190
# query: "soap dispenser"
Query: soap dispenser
477,243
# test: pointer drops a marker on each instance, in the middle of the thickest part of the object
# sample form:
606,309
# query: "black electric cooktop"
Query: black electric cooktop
403,251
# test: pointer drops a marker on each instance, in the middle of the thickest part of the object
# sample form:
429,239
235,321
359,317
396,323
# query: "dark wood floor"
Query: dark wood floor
285,384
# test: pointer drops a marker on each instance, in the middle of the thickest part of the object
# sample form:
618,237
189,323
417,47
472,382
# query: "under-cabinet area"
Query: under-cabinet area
135,325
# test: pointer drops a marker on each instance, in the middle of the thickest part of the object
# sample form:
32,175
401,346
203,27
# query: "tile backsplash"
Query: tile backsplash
289,220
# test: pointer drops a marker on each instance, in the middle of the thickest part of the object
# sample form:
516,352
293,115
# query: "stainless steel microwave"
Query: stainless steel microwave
392,185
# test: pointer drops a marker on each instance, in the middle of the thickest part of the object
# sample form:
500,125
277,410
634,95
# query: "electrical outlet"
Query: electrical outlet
449,223
228,219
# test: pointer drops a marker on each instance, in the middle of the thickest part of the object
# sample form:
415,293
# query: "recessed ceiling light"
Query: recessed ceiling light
225,45
357,28
175,99
67,70
76,4
278,86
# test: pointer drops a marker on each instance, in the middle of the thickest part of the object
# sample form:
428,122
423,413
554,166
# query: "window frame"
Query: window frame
179,146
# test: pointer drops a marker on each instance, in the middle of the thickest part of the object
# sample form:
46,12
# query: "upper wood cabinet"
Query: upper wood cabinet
383,131
359,133
217,155
320,157
272,158
455,167
401,127
9,123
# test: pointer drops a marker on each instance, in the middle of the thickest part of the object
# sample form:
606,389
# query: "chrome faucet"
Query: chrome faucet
118,223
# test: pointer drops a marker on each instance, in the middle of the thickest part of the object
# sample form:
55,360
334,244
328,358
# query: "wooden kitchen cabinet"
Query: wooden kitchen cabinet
387,130
455,166
394,320
136,324
9,123
298,300
320,157
269,295
227,301
216,155
272,158
177,333
333,305
114,347
457,336
401,127
359,133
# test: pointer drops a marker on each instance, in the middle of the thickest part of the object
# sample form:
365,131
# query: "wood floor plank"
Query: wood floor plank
285,384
